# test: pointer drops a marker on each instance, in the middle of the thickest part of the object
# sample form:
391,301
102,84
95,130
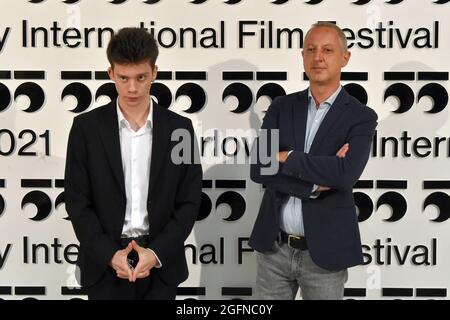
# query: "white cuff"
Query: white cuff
159,264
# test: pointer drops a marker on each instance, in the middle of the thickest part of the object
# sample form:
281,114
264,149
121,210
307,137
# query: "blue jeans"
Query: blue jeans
284,270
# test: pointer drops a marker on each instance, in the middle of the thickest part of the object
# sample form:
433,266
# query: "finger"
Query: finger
118,267
135,274
135,245
121,272
125,270
342,151
124,265
136,270
130,274
346,147
140,268
128,248
122,276
142,275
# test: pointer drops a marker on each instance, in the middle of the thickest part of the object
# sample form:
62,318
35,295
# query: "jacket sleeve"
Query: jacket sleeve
186,207
331,171
99,246
264,168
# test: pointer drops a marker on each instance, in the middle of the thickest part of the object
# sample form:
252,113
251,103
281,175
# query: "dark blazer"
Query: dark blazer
330,221
95,192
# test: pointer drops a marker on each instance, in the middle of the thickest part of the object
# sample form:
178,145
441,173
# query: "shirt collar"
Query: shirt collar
123,122
330,99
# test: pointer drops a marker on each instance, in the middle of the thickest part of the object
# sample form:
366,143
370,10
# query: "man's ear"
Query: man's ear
111,73
347,56
154,72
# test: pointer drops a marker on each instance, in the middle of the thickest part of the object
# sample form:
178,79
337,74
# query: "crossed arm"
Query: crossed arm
283,155
298,171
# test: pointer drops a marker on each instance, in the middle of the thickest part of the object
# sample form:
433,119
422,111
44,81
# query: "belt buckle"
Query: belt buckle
291,237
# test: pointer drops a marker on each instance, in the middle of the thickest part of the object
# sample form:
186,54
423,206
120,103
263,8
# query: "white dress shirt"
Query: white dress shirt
136,149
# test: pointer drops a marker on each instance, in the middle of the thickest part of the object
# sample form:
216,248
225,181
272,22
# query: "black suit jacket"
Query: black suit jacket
330,221
95,192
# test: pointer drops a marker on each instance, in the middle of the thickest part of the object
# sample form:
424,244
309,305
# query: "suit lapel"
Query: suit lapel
335,112
160,142
109,132
300,116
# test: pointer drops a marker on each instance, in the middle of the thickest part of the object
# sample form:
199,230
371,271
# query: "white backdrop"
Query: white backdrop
399,64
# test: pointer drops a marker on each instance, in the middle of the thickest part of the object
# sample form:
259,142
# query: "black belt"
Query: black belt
293,241
141,240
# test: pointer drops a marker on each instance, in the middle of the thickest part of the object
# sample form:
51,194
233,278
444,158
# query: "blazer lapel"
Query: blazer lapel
160,142
335,112
300,116
109,132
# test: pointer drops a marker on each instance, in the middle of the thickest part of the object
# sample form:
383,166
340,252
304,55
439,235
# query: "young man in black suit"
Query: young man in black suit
132,205
306,232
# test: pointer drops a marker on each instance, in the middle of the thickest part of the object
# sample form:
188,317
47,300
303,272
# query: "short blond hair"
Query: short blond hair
326,24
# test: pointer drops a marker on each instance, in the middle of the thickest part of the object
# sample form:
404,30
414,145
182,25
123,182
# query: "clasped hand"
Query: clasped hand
147,260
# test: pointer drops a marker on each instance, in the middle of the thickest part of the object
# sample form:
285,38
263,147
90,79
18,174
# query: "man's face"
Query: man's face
323,56
133,82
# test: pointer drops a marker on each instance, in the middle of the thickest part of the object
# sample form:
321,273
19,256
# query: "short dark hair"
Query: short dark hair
132,45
